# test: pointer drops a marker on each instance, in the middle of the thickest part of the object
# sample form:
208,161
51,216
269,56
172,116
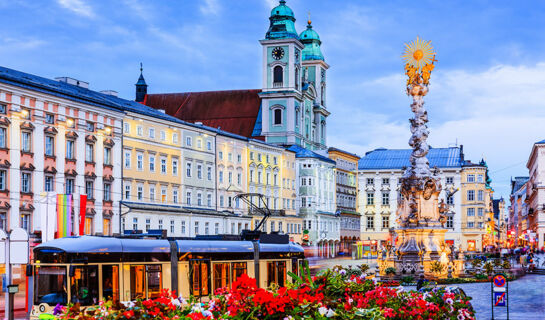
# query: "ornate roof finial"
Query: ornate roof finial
141,68
309,21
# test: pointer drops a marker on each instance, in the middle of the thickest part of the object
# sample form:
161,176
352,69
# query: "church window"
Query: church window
277,116
296,78
278,76
322,94
322,129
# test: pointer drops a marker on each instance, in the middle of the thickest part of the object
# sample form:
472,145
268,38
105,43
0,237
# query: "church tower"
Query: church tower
314,69
293,92
281,91
141,87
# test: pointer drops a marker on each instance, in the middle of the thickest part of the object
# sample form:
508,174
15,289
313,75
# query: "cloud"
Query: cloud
210,7
79,7
21,44
271,3
497,114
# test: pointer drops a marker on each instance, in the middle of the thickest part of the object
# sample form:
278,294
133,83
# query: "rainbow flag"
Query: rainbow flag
64,215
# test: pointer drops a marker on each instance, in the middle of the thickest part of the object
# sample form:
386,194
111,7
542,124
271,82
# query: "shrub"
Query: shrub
407,279
481,276
364,267
390,271
437,267
488,268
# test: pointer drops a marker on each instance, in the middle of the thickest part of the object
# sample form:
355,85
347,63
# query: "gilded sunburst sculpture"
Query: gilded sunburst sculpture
419,53
419,59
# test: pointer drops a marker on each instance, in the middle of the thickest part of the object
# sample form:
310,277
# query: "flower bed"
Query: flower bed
330,295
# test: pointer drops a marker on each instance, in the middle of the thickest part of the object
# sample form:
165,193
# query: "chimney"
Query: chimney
74,82
109,92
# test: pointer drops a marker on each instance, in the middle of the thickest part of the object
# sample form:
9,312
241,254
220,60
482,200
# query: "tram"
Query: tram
88,269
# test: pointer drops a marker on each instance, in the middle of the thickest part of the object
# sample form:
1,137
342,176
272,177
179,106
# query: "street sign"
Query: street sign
499,280
500,299
500,292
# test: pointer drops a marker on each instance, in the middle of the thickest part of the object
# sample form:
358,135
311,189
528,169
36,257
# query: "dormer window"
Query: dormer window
278,77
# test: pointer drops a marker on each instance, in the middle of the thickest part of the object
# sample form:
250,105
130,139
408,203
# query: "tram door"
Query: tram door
276,273
199,276
84,284
146,282
110,282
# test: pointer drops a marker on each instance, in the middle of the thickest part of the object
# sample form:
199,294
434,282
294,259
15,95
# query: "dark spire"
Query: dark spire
141,86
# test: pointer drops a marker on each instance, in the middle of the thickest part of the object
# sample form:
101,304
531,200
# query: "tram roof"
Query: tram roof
92,244
202,246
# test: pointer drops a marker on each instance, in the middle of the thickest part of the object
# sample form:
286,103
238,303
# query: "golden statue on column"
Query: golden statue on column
420,214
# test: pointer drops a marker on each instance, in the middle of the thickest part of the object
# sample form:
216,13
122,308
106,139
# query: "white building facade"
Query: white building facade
379,176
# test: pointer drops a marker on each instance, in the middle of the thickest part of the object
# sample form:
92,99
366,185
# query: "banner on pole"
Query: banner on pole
82,208
64,215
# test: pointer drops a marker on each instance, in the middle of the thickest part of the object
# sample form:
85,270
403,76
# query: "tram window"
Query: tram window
238,268
221,275
154,281
142,275
50,285
276,273
84,285
110,282
138,288
294,266
200,278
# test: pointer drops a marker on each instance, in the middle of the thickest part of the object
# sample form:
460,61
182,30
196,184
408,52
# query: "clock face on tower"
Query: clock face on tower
278,53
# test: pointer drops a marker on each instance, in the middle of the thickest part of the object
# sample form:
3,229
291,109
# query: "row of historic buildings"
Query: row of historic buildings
178,161
466,191
527,209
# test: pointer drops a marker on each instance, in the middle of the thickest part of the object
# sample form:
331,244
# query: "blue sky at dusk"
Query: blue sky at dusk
487,91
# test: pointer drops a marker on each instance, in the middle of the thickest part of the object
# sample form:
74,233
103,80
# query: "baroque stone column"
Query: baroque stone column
420,215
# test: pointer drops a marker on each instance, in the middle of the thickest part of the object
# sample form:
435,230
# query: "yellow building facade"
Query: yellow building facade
267,175
151,167
476,207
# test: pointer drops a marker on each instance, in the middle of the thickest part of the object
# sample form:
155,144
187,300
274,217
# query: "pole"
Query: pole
9,297
507,296
492,297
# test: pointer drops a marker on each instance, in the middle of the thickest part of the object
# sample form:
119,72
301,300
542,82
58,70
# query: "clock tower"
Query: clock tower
293,92
282,87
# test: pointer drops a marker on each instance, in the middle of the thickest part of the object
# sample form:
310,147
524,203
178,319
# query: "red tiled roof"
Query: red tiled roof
234,111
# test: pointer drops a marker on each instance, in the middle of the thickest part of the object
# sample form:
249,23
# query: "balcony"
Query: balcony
278,84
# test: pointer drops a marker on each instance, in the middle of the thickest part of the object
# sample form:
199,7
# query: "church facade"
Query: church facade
289,111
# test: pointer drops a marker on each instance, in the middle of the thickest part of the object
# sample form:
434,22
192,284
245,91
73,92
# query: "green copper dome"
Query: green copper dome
282,23
312,42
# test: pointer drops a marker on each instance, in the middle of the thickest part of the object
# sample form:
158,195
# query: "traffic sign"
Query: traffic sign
499,280
500,299
499,292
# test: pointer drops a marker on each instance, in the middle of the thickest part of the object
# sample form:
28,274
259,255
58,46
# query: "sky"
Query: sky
487,91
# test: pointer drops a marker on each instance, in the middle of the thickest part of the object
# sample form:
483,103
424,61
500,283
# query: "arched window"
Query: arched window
296,78
322,129
322,94
278,76
277,116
